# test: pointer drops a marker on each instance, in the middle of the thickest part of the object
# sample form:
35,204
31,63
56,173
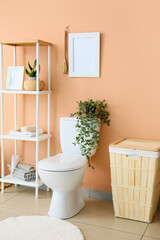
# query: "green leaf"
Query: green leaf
33,73
27,72
34,64
29,66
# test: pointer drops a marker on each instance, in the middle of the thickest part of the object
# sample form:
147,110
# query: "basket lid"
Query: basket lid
137,144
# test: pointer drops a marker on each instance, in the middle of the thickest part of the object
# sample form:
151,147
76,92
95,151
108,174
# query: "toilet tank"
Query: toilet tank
68,135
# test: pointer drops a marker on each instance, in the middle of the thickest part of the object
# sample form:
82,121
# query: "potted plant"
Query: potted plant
30,84
90,114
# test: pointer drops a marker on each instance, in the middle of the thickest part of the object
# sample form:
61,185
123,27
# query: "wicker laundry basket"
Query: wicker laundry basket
135,178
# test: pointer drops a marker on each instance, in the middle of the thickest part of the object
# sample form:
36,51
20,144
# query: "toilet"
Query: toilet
64,172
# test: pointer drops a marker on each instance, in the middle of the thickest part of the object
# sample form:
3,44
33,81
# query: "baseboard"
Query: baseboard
43,187
97,194
90,193
101,195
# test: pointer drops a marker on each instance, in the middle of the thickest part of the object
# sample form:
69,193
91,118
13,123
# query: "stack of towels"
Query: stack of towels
27,131
24,172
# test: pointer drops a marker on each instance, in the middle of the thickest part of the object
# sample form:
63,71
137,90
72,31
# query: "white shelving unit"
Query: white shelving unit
8,178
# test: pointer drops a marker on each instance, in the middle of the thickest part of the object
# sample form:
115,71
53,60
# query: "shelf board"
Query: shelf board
25,92
10,179
26,43
32,139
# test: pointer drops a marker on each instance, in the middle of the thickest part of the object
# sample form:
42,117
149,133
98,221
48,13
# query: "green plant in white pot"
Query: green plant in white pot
30,85
90,114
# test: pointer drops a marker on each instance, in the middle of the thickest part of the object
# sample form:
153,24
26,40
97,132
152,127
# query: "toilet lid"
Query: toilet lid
62,162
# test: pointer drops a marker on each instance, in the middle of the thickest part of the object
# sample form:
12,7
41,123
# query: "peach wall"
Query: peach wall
130,72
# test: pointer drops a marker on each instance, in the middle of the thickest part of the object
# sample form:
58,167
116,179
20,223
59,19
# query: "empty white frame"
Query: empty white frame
15,78
84,54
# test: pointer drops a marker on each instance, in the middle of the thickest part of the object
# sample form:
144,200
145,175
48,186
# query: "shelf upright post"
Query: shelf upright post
49,98
49,101
2,120
15,107
37,118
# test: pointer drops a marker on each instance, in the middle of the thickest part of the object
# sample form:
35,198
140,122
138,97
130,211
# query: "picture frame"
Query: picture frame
15,76
84,54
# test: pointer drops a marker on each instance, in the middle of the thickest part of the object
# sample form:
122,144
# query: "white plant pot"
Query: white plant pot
32,78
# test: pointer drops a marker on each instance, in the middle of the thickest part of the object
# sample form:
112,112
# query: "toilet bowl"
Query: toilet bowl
65,181
64,172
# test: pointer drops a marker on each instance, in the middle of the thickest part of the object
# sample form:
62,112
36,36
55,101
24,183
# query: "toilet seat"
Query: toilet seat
62,162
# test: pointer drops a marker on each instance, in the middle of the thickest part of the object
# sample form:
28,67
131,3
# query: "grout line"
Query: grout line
15,209
105,227
158,238
144,231
16,194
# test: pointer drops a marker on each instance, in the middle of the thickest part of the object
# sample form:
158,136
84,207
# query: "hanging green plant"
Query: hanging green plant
90,114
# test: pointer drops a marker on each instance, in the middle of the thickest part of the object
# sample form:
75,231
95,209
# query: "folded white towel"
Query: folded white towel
25,134
28,129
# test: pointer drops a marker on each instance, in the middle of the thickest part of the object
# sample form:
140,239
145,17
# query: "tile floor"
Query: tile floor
96,220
